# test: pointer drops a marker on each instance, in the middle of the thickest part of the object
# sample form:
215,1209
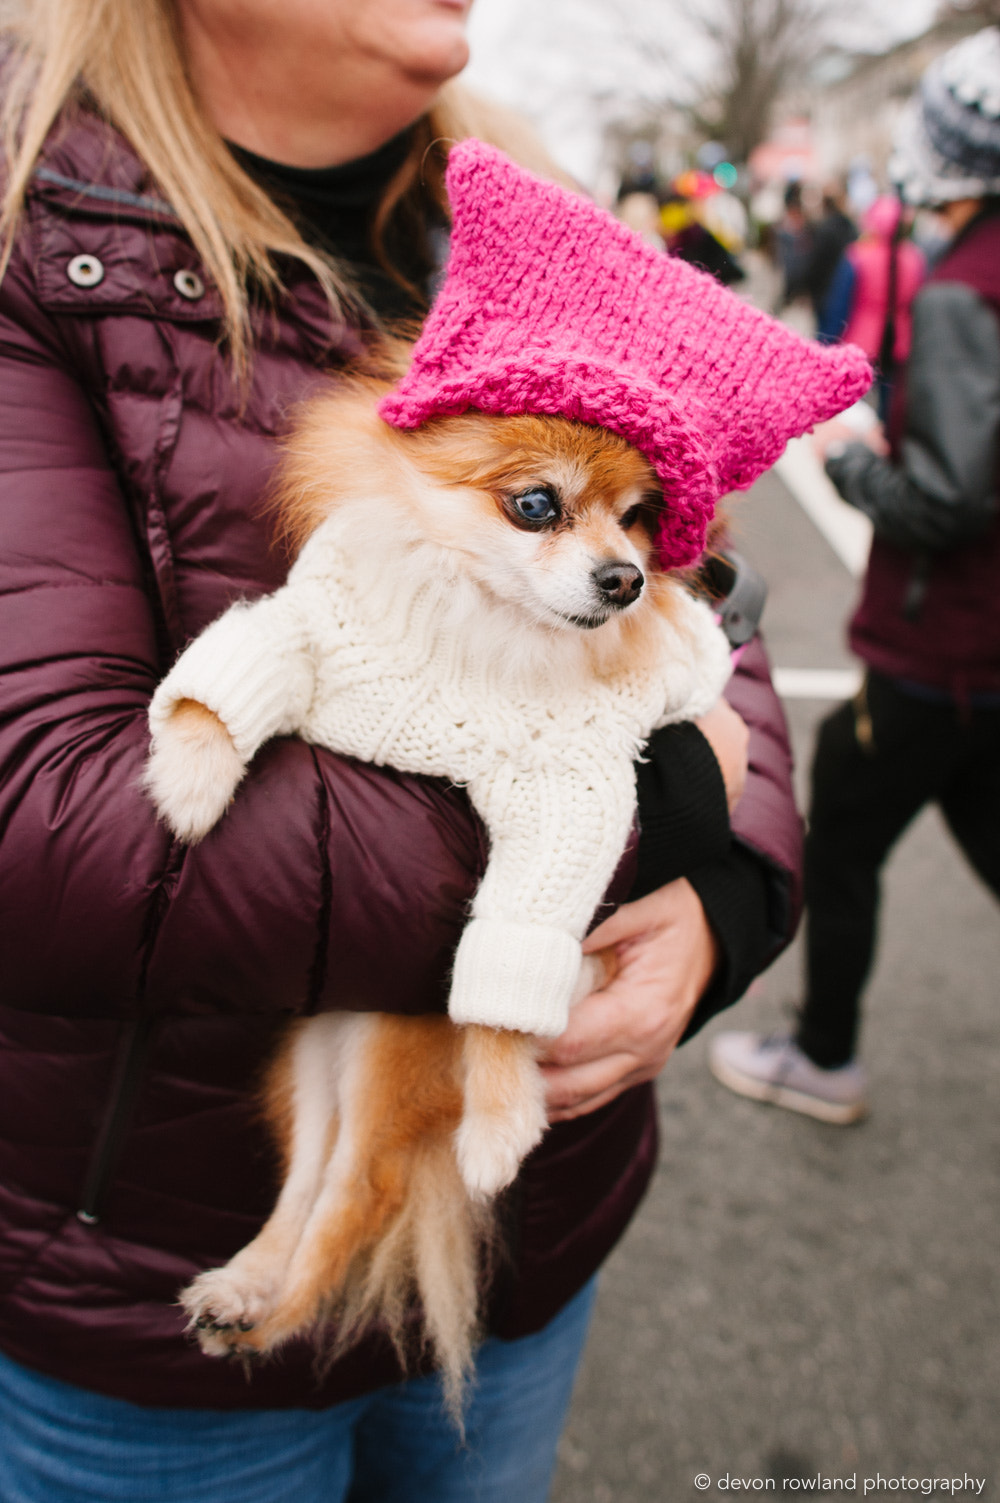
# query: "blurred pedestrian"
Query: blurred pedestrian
641,212
793,244
869,299
688,238
925,727
829,237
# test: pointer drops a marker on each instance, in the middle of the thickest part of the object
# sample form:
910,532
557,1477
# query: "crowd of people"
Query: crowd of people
204,213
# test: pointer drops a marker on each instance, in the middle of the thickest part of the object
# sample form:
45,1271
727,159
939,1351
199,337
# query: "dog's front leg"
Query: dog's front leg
193,770
504,1110
504,1113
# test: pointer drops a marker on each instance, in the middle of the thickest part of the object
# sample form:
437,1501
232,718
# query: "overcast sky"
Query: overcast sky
502,30
564,62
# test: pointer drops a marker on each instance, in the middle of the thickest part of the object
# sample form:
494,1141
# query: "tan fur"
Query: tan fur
397,1132
191,784
388,1219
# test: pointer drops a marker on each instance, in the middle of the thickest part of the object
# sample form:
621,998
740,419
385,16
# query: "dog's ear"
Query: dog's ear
388,356
336,444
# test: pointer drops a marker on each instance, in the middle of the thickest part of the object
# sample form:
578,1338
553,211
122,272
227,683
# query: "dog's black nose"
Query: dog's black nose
619,583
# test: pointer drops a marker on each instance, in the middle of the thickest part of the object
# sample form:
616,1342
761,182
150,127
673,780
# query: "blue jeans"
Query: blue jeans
61,1444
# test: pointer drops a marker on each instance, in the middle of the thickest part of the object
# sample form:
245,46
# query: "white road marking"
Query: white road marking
848,532
817,683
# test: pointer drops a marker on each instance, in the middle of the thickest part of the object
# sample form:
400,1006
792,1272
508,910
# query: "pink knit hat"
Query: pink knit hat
549,305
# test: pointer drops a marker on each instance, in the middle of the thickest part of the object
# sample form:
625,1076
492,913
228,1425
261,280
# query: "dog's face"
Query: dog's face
550,515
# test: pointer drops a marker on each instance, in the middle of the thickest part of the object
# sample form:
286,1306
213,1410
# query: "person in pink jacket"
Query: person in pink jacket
872,291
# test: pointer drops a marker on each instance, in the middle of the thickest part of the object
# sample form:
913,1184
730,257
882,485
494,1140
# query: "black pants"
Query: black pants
878,761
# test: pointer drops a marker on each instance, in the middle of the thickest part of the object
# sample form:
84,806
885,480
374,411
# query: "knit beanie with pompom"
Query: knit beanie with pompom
551,306
947,144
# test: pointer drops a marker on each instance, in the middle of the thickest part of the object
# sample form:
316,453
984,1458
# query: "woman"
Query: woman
206,204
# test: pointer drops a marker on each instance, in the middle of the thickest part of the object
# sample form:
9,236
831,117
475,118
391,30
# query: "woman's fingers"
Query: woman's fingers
665,906
583,1088
625,1033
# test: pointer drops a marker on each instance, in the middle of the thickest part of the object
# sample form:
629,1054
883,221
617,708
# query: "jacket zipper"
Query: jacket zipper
130,1063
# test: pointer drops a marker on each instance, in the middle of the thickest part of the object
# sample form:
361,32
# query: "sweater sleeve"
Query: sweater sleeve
556,833
286,905
253,667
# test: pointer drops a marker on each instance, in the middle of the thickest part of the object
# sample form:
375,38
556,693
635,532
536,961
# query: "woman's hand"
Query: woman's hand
729,739
624,1034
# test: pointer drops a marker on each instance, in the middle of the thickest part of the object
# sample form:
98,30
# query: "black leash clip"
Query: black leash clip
737,591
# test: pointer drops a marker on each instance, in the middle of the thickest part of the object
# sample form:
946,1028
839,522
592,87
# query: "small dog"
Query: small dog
475,599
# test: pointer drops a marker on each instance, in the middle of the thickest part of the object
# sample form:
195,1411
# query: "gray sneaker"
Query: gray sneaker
772,1067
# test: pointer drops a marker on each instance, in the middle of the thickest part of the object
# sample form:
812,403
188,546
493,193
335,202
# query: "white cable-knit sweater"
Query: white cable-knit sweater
378,666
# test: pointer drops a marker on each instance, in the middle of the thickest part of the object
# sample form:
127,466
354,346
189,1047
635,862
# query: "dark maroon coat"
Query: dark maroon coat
930,608
143,984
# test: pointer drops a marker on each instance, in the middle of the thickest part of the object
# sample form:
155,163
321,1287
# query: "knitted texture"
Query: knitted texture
550,305
367,657
947,143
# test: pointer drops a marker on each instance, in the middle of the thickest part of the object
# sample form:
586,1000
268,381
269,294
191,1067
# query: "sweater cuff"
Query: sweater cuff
737,895
683,811
518,976
255,687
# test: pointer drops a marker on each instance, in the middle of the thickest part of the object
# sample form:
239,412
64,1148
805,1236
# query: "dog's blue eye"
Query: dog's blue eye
537,505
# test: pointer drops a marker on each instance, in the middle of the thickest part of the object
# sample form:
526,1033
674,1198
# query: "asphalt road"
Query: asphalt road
796,1301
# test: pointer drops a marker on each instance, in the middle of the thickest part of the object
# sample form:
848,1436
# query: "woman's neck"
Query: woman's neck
286,105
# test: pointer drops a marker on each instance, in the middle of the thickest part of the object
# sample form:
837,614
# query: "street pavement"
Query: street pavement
796,1301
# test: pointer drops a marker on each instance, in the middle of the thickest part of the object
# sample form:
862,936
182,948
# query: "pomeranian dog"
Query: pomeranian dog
476,599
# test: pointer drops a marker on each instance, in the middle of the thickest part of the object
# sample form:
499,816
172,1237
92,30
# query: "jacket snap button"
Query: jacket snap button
85,271
189,285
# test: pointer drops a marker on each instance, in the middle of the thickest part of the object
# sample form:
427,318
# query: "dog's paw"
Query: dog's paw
491,1148
193,771
226,1308
595,972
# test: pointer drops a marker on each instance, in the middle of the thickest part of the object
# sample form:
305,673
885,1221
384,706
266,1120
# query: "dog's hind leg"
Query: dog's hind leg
400,1097
302,1101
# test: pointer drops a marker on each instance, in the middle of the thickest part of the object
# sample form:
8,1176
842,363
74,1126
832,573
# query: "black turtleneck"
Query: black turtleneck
334,208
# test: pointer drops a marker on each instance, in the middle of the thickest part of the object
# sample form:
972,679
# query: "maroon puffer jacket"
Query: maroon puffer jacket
143,984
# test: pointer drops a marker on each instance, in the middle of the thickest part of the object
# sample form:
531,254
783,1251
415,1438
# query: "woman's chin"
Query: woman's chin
444,54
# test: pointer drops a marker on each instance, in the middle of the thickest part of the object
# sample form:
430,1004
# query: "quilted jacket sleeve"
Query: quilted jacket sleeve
287,904
942,492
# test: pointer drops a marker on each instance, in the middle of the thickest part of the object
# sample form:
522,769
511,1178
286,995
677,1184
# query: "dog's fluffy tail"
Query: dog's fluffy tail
434,1248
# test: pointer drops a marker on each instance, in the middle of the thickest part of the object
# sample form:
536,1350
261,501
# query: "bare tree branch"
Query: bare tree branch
759,46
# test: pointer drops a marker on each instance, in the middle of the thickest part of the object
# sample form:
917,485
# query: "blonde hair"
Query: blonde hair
125,58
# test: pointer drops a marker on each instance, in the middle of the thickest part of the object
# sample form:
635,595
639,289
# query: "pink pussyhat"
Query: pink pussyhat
549,305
